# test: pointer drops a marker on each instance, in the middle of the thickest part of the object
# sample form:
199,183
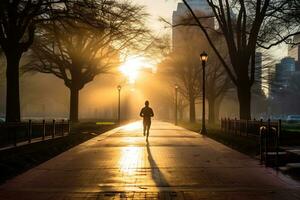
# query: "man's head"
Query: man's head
147,103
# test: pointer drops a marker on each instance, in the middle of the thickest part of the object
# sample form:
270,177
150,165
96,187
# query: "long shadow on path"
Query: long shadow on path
157,176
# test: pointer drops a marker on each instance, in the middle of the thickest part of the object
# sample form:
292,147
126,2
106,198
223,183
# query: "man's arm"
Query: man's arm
152,113
142,113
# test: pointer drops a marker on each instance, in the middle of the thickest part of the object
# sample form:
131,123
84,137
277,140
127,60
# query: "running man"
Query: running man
146,113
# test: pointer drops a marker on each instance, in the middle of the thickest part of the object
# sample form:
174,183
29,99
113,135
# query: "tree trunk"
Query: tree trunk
192,110
244,96
12,85
180,110
211,111
74,101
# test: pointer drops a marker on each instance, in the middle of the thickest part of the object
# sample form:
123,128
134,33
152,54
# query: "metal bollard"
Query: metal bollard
235,126
260,123
279,130
262,130
246,127
225,124
44,129
29,130
266,141
15,133
53,129
62,127
274,130
69,126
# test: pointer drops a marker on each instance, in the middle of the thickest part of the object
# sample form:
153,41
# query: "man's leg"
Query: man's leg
148,128
144,124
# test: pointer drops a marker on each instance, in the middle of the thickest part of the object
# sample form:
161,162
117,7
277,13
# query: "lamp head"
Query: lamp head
119,87
203,56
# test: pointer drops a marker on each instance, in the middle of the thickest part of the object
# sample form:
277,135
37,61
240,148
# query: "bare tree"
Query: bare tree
218,84
76,52
182,65
246,25
18,20
188,43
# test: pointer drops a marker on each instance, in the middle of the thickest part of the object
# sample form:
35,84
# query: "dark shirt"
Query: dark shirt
146,113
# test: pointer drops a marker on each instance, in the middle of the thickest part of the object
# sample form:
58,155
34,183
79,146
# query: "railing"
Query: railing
267,132
16,133
269,144
247,127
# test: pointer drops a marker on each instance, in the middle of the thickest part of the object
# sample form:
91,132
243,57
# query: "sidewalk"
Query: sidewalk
174,164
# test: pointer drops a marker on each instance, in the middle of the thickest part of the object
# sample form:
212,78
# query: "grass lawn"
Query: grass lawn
290,127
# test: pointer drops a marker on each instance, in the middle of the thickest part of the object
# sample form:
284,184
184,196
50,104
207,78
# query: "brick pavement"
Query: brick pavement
174,164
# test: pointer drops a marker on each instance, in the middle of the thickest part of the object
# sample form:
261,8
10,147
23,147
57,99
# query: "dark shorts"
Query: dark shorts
147,122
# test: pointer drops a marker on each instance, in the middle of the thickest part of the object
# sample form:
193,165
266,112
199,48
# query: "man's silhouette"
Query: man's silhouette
146,113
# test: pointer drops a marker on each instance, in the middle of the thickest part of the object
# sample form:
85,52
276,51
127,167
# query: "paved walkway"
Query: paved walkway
174,164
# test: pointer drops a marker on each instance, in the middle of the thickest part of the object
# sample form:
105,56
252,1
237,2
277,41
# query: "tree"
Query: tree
246,25
18,20
183,67
188,43
218,83
77,52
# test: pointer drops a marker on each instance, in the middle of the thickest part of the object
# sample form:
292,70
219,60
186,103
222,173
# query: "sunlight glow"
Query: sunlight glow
133,66
130,158
133,126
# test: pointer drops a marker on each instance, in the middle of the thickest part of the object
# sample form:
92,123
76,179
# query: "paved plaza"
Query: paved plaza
174,164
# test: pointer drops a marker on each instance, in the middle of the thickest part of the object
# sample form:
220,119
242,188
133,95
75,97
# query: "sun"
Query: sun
132,67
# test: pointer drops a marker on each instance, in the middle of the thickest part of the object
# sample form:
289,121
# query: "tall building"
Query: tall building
182,14
294,51
282,74
258,72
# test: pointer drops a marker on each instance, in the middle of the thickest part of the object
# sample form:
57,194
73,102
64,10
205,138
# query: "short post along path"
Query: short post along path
174,164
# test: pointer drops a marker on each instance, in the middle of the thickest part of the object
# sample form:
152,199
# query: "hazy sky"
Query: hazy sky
165,8
158,8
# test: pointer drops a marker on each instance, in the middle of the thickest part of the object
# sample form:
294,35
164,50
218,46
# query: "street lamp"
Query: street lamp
119,103
203,58
176,106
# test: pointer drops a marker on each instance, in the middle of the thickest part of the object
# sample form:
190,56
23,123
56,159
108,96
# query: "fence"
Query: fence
267,132
247,127
269,144
13,133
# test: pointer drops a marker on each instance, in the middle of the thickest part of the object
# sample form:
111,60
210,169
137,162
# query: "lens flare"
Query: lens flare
133,66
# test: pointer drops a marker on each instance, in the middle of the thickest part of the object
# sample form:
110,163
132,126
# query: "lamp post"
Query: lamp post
176,105
203,58
119,103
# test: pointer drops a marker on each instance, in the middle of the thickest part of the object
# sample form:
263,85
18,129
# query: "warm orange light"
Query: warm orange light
130,160
203,56
133,126
132,67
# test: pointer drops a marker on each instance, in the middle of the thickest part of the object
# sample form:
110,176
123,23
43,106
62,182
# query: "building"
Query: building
284,70
181,33
280,77
294,51
258,82
258,72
